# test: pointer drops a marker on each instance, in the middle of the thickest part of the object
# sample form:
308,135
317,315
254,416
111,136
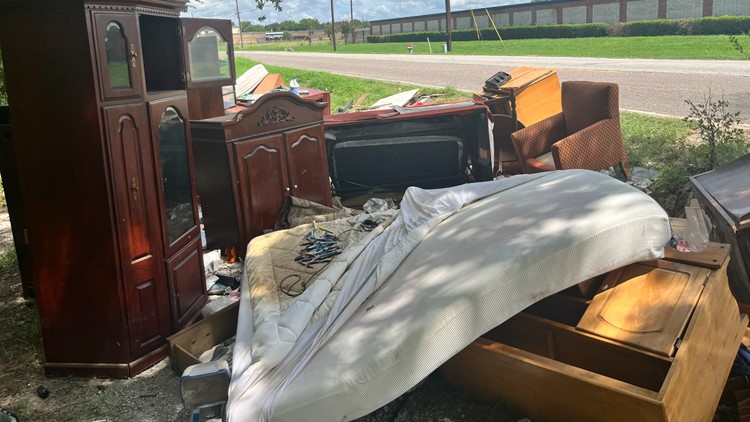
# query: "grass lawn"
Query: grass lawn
709,47
651,142
344,89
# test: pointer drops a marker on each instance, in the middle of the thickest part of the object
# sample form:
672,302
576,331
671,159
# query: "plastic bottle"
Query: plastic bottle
294,86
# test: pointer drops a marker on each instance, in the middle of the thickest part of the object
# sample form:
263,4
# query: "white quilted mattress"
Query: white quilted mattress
470,273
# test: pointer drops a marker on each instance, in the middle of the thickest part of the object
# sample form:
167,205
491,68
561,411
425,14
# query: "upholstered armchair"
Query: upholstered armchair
586,135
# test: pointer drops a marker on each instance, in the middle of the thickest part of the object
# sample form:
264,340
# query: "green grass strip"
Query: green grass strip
706,47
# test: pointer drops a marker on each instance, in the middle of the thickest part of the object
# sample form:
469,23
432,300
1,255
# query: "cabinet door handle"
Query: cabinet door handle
134,188
133,56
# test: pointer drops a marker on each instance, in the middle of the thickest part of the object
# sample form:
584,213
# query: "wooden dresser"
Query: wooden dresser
656,344
249,162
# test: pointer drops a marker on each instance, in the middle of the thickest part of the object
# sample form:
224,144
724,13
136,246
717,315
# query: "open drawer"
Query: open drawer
661,357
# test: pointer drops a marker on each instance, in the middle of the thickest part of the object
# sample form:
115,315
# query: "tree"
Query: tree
288,25
346,29
310,33
327,30
248,26
311,25
307,23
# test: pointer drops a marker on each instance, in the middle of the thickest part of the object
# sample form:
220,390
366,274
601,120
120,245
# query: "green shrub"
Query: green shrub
719,142
739,46
653,28
508,33
729,25
722,25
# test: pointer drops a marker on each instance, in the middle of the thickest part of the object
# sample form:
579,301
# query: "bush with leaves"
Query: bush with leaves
719,141
738,45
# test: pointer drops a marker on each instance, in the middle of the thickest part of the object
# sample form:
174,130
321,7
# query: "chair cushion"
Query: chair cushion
585,103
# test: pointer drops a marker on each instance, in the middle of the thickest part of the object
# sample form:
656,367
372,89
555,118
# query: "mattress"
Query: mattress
471,272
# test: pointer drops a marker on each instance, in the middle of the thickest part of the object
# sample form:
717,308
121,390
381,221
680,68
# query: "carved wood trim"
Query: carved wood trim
275,115
260,148
302,138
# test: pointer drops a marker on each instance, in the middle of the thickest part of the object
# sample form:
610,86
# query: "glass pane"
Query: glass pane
209,56
176,183
117,56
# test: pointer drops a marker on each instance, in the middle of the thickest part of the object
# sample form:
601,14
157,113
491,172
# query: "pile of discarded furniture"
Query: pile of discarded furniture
373,247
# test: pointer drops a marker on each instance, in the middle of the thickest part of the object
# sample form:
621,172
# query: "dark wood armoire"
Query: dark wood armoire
99,94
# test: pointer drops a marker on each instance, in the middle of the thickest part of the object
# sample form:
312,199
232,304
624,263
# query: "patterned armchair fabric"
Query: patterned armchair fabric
586,135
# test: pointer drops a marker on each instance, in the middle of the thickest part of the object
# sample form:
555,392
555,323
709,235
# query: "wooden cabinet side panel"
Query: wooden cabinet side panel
702,363
216,186
64,193
546,390
539,100
308,164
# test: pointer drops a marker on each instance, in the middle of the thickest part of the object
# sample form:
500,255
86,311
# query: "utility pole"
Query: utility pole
448,24
351,22
333,28
239,21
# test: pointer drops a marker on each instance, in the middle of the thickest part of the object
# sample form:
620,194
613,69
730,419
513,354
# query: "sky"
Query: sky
321,9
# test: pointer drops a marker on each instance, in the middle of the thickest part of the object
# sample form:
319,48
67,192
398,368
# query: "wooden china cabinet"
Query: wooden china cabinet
99,97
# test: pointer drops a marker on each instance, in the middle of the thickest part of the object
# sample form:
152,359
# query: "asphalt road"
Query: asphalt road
654,86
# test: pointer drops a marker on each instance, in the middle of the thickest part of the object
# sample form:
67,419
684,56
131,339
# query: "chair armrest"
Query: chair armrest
596,147
537,139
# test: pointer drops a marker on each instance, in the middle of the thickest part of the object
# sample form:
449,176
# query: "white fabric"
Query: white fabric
547,159
540,234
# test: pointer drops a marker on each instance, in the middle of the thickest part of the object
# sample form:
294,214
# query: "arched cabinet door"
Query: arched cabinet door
262,183
180,229
207,52
118,54
136,210
177,192
308,174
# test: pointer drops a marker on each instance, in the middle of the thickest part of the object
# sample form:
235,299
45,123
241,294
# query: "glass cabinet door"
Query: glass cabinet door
208,51
172,147
118,55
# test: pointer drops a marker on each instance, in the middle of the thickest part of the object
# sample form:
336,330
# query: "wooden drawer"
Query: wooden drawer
540,363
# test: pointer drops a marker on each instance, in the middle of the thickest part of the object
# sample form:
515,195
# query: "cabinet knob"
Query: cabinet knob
295,186
133,56
134,188
287,189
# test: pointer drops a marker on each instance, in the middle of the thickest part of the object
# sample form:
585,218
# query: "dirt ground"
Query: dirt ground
154,395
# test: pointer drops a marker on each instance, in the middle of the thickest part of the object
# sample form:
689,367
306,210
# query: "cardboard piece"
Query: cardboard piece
268,83
186,346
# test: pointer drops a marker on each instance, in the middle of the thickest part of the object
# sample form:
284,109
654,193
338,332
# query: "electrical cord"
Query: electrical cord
367,225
